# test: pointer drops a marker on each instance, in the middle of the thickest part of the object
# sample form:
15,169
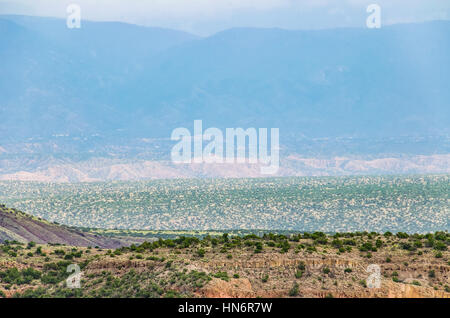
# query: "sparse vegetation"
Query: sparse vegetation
169,276
199,263
400,203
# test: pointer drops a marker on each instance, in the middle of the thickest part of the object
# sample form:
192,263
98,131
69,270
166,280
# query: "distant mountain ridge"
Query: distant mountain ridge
109,82
108,76
102,169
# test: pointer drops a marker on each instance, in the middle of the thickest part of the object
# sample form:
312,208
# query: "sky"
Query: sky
206,17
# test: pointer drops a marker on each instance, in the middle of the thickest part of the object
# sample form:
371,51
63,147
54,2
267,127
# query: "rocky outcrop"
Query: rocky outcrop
236,288
282,261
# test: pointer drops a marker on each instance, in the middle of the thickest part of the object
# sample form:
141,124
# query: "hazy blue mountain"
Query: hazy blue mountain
57,80
114,78
392,81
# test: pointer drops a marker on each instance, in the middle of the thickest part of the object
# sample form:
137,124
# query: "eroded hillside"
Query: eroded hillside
304,265
21,227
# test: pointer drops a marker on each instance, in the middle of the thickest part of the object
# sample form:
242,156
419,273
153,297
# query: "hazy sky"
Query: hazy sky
209,16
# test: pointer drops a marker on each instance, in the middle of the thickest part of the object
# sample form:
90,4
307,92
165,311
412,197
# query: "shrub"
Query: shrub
337,243
321,240
59,252
285,246
440,236
222,276
407,246
14,276
31,245
201,252
258,247
294,290
225,237
440,246
418,244
379,243
31,293
367,246
301,266
350,242
171,294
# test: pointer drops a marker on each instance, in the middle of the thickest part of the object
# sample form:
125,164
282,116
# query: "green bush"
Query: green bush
31,245
379,243
201,252
440,246
301,266
14,276
222,276
299,274
258,247
294,290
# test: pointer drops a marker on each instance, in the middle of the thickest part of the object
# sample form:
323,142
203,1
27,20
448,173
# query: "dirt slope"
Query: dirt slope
16,225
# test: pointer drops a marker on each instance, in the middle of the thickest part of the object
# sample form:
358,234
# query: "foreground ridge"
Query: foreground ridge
271,265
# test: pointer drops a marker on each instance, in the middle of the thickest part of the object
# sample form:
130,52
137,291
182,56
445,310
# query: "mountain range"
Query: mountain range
98,89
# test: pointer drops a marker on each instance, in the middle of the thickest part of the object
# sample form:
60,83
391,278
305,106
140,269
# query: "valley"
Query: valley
409,203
